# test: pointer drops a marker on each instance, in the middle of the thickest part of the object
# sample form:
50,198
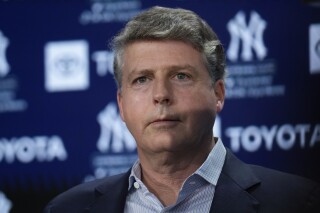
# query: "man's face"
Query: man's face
167,98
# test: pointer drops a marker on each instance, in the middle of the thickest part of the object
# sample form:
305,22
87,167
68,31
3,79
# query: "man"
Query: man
170,70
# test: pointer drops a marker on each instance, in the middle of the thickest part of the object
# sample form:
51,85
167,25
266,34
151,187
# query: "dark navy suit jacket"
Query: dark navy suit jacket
241,188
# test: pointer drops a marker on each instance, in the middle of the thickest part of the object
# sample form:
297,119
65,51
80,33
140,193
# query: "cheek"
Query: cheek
134,108
201,105
202,99
133,120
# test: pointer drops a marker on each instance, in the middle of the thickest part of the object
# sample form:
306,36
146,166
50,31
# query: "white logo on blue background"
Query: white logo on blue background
250,34
4,65
116,145
104,62
114,135
110,11
314,48
66,66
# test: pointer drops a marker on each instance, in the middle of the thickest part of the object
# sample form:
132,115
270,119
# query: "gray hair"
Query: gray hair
159,23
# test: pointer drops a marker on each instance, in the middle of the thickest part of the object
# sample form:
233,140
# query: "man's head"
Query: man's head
160,23
170,68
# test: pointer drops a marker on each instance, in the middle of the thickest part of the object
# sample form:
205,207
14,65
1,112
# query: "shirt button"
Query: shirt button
136,185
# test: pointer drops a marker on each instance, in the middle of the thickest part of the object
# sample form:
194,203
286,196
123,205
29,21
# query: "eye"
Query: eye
182,76
140,80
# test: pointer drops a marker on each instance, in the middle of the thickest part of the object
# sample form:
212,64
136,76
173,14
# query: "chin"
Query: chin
167,146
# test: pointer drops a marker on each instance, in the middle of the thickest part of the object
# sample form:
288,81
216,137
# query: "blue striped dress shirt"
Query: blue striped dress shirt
196,194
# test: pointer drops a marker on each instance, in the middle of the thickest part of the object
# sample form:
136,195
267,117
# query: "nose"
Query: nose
162,92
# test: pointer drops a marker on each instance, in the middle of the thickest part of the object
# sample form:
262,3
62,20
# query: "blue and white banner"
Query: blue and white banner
59,122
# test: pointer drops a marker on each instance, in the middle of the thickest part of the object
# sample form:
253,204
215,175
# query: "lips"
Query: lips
164,121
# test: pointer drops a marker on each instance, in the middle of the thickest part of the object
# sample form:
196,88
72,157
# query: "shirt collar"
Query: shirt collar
210,170
135,173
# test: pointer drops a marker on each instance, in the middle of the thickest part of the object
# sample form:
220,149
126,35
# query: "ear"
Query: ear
119,100
219,89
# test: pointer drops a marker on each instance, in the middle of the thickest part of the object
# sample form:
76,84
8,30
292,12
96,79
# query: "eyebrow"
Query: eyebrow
139,72
184,67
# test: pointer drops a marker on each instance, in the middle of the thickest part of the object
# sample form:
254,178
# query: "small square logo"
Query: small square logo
314,48
66,65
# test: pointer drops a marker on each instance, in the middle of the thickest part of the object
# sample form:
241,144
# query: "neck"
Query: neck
164,173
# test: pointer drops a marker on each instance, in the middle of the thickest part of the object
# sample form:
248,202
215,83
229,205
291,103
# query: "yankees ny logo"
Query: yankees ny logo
4,66
114,135
251,36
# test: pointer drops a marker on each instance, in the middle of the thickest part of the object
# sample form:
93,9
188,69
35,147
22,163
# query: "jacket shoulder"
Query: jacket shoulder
280,188
81,197
275,177
271,190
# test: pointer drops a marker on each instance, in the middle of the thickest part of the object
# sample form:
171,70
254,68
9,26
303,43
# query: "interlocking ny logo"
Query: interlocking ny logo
4,66
114,135
251,36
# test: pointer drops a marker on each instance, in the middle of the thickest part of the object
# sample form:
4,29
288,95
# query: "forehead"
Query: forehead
156,54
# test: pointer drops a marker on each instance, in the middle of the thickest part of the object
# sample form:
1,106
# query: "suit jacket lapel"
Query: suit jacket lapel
111,195
232,193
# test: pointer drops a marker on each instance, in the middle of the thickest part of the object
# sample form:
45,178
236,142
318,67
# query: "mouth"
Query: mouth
164,121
